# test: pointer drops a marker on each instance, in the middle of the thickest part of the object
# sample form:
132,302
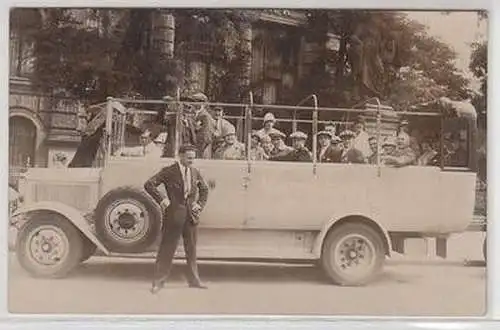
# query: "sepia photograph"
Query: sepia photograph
232,161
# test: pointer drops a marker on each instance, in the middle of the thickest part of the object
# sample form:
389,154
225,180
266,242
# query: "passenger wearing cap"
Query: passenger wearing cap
402,155
403,129
300,153
350,155
327,153
279,146
205,125
330,127
221,124
269,122
256,150
361,137
231,149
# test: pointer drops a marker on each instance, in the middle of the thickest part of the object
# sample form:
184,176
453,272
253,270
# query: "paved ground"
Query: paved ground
406,288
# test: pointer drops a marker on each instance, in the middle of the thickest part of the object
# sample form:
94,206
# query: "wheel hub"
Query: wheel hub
354,253
48,245
126,220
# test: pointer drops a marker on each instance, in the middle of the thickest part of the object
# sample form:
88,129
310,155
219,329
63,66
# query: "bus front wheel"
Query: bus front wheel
49,246
352,254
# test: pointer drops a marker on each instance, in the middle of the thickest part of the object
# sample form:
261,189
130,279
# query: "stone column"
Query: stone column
246,53
332,48
164,32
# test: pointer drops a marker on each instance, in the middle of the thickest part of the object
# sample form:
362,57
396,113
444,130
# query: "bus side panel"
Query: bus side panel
457,200
247,243
226,207
406,199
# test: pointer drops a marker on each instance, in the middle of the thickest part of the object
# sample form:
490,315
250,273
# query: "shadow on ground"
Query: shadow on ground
226,273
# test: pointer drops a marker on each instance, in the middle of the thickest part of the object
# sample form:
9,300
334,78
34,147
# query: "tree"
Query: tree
374,47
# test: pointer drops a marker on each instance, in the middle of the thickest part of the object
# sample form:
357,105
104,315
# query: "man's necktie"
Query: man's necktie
187,187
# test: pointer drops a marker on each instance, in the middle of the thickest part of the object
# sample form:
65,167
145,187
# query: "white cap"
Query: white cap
269,117
146,133
229,129
298,135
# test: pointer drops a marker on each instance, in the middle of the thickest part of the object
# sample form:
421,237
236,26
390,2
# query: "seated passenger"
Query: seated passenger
349,153
300,153
428,155
269,122
372,159
266,144
231,149
361,138
279,146
389,148
149,147
458,156
256,150
403,155
221,125
327,153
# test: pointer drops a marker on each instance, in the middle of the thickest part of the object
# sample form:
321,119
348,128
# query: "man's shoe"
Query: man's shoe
157,286
198,286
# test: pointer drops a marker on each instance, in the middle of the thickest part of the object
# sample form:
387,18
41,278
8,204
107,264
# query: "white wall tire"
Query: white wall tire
353,254
49,246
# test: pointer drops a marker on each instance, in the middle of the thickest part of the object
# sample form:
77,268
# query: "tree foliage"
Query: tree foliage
403,65
111,52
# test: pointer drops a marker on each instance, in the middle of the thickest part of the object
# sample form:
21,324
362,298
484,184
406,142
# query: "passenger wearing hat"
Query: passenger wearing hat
205,125
361,138
350,155
231,149
279,146
300,153
269,122
256,150
327,153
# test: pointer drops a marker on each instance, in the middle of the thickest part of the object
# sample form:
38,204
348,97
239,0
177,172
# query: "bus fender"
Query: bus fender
70,213
318,244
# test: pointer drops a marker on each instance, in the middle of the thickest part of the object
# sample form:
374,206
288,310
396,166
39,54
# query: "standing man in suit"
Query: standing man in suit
187,195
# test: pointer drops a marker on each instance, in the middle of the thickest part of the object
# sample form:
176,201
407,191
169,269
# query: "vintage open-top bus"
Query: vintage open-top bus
347,217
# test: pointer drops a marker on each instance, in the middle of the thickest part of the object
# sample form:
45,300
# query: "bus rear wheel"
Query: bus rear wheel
49,246
353,254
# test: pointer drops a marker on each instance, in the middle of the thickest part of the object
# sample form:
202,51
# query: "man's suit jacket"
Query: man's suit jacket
331,155
179,209
352,156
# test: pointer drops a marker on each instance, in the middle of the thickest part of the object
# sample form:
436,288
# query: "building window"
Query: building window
21,56
22,142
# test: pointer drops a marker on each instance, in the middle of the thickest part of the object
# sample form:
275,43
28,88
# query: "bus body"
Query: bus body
259,210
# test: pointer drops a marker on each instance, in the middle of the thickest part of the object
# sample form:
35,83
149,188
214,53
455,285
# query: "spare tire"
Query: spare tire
127,220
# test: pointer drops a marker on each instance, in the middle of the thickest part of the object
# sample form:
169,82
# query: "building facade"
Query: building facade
44,130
